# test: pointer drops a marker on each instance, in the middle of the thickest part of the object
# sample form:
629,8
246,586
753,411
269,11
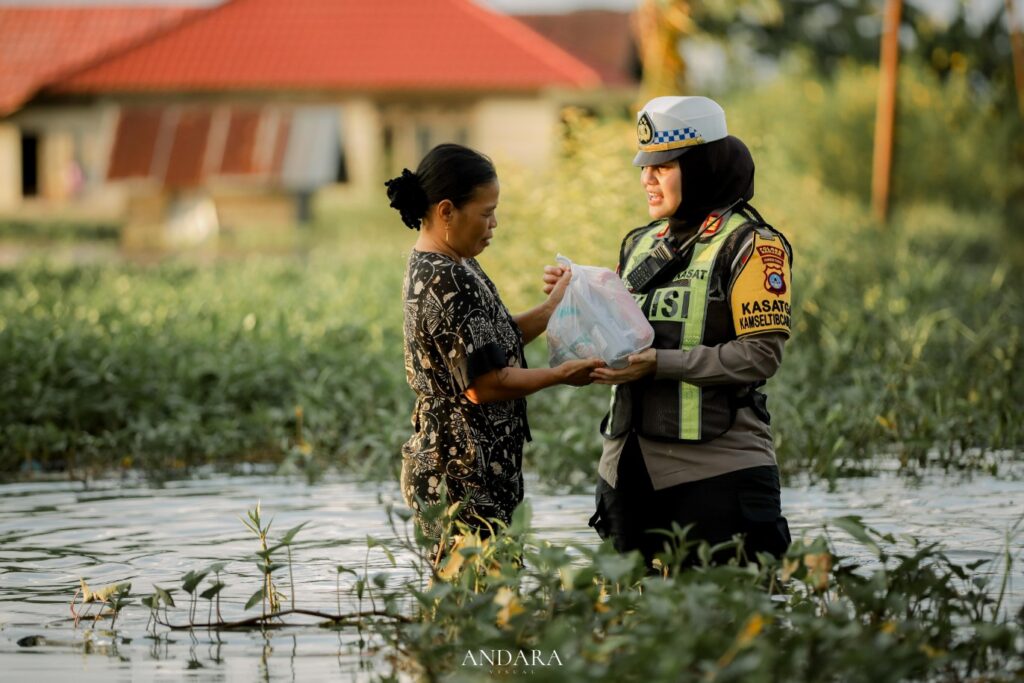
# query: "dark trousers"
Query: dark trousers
743,502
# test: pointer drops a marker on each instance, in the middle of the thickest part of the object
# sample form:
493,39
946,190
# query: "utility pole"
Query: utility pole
1017,43
885,114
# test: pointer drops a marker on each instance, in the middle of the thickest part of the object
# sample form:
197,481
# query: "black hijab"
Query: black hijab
714,176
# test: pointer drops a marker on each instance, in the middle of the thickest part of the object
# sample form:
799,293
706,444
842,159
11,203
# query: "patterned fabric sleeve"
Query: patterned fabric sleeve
463,327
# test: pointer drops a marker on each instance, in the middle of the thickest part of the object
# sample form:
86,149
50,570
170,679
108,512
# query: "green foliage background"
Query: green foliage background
906,337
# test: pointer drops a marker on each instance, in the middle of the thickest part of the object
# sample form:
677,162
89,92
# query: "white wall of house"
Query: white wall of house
522,131
416,126
378,137
362,140
73,153
10,166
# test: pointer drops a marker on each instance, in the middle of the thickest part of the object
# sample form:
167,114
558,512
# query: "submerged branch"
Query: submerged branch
264,620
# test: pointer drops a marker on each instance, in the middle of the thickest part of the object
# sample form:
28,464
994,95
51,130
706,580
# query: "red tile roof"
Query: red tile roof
602,39
39,44
339,45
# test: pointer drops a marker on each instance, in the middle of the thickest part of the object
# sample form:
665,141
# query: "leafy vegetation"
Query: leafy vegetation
58,230
904,345
513,605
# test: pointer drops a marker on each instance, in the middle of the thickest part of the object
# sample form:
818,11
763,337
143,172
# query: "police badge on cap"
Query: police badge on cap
644,129
668,126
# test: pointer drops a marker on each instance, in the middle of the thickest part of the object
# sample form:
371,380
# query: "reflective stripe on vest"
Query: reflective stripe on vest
684,301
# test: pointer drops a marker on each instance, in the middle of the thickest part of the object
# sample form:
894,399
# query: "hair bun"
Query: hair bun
408,198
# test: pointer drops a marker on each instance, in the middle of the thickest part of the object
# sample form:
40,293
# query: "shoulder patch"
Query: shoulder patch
762,292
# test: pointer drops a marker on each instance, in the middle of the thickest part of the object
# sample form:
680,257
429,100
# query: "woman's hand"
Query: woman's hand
578,373
640,365
553,277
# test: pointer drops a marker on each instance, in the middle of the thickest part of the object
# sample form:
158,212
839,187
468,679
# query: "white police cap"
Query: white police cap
669,126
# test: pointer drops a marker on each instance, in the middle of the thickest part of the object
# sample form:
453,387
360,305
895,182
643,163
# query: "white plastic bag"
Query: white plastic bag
597,318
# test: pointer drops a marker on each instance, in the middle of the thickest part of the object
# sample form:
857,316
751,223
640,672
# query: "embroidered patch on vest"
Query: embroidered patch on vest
761,294
774,260
712,224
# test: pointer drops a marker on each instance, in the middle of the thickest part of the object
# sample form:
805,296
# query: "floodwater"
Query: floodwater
53,534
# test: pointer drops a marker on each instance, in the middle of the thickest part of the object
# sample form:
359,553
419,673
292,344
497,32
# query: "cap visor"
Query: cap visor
657,158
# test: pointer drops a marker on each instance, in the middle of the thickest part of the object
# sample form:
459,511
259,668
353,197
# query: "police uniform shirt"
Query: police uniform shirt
754,356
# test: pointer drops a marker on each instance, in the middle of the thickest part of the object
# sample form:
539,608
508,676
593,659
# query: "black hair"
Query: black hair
449,171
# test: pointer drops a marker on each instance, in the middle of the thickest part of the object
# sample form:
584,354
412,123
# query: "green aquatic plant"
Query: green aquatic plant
813,615
113,597
509,603
272,612
268,594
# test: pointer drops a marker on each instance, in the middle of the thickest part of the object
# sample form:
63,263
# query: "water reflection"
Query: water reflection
53,534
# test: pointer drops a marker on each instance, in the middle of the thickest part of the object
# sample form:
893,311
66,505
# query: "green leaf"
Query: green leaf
521,518
290,534
266,554
191,580
164,595
212,591
342,569
614,567
853,525
256,598
249,525
216,567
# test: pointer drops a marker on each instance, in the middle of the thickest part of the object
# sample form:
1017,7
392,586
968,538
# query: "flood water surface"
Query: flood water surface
54,534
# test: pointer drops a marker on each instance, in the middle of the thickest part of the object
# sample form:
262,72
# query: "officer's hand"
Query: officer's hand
552,276
578,372
640,365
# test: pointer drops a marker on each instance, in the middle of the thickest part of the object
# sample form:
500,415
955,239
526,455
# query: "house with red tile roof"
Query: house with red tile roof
278,95
38,45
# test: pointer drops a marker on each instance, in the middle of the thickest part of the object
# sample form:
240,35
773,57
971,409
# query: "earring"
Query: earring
447,227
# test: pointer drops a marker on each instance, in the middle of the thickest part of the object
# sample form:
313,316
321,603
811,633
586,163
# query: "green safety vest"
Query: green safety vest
690,310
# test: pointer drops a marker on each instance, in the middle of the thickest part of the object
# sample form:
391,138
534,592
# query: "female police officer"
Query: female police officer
687,437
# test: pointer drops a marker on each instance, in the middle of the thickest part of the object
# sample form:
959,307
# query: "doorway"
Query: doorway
29,164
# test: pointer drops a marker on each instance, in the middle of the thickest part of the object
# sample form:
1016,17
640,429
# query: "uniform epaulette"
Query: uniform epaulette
771,233
765,229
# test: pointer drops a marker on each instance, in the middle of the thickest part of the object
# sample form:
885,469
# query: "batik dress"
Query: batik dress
457,329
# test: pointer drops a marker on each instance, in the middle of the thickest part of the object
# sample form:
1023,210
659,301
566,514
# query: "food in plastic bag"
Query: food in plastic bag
597,318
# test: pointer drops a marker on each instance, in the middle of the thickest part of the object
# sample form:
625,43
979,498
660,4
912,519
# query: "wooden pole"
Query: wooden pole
885,114
660,25
1017,43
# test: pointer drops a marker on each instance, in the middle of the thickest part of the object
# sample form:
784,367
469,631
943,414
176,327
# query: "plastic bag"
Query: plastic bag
597,318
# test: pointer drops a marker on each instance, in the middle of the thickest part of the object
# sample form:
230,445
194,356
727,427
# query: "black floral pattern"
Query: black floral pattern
457,329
